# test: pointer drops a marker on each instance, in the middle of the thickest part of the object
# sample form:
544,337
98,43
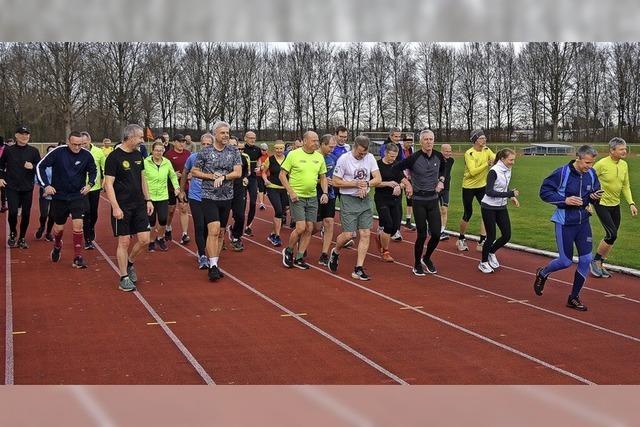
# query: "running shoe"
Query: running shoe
39,233
428,265
248,231
350,243
22,243
333,261
167,234
418,270
444,236
287,257
576,304
48,237
203,262
131,272
397,237
538,284
237,245
162,244
55,254
605,273
214,273
301,264
262,207
89,246
485,268
596,271
461,244
127,285
185,239
278,241
271,238
409,225
152,246
13,240
324,259
359,273
386,256
78,262
493,261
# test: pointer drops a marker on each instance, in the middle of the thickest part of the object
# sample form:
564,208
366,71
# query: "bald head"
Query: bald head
310,141
446,150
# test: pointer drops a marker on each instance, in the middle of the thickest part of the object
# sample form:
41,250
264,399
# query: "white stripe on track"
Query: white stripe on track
91,405
8,302
513,300
445,322
183,349
320,331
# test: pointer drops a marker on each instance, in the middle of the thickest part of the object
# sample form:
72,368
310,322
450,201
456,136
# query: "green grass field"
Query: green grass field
530,223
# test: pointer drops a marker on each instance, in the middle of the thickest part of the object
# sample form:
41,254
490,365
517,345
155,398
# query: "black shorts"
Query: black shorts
327,210
60,209
134,221
261,186
172,198
216,211
443,198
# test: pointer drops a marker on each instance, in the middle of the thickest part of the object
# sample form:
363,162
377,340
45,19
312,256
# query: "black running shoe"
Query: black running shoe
418,270
214,273
39,233
89,246
78,262
55,254
162,244
538,284
248,231
359,273
299,263
576,304
12,242
185,239
333,261
324,259
428,265
287,257
167,235
22,243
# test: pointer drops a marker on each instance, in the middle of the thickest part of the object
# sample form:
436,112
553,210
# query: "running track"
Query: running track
264,324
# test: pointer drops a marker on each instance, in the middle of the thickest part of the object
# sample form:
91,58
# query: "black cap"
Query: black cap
476,134
179,137
22,129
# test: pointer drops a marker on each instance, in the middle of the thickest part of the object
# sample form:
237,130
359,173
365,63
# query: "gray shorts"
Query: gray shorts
355,213
305,209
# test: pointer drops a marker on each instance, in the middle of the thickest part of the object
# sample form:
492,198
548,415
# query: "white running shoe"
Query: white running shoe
485,268
493,261
461,244
397,237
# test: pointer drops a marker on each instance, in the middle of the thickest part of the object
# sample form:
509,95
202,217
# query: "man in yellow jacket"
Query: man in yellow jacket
91,217
613,173
477,162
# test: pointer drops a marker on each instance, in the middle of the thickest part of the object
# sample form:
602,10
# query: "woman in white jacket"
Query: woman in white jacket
494,208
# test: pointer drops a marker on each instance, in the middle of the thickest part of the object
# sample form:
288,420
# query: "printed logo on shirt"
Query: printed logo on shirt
126,165
361,174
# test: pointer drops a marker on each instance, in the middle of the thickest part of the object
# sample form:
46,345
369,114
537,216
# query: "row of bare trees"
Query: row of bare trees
536,91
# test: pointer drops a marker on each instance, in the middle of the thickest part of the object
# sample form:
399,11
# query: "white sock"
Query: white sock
442,229
214,261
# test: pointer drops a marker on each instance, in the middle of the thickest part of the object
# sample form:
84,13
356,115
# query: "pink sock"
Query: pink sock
77,243
57,239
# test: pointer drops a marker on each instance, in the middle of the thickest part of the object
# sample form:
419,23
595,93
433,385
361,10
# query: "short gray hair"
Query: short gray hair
586,150
326,139
220,124
426,131
615,142
130,130
85,133
207,136
394,129
361,141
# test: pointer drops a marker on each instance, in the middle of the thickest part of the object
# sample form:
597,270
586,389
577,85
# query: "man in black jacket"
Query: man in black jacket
17,171
73,173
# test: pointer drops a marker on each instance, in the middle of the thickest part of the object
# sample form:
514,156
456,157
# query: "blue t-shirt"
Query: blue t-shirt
195,185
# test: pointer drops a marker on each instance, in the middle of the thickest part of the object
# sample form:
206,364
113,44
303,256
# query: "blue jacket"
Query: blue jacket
564,182
69,172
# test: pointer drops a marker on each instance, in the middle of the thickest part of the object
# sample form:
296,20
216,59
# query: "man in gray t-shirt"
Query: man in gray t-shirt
217,166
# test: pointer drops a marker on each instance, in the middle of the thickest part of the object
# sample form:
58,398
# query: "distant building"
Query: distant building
548,150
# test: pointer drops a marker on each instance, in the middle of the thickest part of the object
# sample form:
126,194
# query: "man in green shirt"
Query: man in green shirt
91,217
299,175
613,173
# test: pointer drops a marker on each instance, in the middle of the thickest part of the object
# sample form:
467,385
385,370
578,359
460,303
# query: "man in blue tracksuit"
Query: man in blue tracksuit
73,173
571,188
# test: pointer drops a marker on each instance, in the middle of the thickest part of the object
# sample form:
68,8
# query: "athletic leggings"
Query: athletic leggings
160,212
467,200
238,205
46,216
566,237
91,217
3,195
252,188
199,225
491,218
426,214
279,200
389,214
610,219
19,199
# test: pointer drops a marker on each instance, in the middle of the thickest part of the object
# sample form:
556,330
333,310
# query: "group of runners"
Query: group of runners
304,184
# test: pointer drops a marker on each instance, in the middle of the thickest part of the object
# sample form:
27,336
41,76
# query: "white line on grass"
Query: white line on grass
183,349
320,331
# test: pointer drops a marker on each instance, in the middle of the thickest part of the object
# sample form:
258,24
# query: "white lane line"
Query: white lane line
8,303
91,405
183,349
513,300
299,318
337,408
446,322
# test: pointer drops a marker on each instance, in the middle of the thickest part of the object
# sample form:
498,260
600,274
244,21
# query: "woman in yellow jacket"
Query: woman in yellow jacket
158,171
